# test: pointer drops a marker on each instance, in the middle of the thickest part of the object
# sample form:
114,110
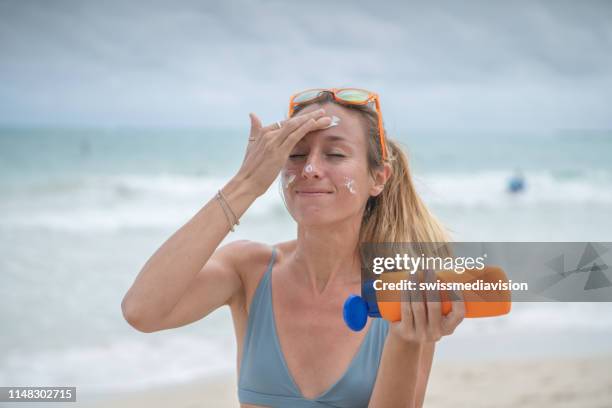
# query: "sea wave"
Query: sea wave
490,189
122,364
167,200
116,202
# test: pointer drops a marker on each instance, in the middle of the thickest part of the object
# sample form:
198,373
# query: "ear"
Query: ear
381,176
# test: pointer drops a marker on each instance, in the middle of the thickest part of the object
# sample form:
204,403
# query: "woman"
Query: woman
344,184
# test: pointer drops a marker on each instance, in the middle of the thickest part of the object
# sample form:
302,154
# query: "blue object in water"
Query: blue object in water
516,185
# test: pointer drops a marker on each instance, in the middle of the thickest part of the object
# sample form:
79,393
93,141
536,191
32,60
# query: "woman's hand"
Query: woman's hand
269,147
422,320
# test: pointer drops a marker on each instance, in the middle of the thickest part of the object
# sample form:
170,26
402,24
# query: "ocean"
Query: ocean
81,210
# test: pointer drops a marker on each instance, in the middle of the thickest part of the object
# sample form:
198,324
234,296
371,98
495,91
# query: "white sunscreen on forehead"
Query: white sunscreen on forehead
350,185
334,122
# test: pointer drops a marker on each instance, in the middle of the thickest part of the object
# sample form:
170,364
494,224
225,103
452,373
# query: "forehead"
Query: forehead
350,128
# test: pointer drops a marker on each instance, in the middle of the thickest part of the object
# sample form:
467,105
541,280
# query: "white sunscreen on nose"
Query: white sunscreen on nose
350,185
308,168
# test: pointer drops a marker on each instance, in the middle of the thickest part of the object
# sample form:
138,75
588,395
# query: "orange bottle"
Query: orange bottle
478,303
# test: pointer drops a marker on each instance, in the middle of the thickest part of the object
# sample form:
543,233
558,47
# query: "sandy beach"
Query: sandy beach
217,392
559,382
551,382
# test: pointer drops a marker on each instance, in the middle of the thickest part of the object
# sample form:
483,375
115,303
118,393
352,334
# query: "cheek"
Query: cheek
287,178
350,185
294,166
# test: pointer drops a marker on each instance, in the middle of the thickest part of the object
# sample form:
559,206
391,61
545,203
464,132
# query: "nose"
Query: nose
311,169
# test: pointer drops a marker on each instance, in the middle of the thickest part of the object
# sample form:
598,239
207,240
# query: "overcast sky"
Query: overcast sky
447,65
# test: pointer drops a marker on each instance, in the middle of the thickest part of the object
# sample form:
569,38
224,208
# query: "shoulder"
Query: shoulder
244,251
251,258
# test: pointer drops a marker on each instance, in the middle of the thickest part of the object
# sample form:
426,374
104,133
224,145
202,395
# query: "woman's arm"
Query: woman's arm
396,382
181,282
408,353
425,363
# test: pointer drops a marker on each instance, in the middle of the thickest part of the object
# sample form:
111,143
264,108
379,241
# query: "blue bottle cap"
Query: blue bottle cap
355,312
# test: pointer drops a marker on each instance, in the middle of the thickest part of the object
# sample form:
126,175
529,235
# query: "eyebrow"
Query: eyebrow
333,138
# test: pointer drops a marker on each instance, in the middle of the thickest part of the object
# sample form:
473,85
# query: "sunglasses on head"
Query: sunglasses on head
348,96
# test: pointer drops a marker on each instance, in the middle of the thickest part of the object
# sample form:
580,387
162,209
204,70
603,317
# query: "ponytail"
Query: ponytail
398,214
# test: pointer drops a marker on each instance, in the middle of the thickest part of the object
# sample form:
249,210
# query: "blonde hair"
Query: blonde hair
397,214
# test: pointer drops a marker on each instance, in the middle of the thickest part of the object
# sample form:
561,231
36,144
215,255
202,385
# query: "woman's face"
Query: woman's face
326,177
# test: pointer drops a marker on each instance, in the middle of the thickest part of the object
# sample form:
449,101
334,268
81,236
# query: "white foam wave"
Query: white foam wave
124,364
115,202
540,317
489,189
165,201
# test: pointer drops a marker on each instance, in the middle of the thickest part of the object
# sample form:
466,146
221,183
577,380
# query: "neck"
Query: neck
328,254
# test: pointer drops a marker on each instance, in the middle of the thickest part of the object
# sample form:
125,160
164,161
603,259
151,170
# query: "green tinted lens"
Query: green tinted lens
307,95
353,95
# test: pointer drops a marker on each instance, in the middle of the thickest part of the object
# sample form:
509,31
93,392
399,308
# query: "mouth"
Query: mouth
312,193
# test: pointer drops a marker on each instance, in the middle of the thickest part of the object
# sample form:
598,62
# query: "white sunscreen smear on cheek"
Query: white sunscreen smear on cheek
288,179
350,185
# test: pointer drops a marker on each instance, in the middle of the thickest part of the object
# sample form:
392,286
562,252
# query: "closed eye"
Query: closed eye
293,156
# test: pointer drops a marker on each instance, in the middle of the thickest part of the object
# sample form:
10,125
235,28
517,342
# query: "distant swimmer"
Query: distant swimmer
516,183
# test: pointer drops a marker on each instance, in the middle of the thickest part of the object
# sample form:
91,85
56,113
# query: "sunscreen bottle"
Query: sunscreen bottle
478,303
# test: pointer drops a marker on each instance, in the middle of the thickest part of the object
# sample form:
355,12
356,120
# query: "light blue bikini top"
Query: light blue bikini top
264,376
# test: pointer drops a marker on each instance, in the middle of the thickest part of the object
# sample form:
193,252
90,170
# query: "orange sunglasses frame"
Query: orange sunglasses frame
372,97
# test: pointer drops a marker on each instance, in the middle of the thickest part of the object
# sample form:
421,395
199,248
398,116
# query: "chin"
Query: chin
313,216
319,217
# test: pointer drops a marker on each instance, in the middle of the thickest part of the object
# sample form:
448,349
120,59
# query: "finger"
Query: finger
289,125
311,125
406,309
255,124
255,132
434,308
456,315
274,126
418,310
296,122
